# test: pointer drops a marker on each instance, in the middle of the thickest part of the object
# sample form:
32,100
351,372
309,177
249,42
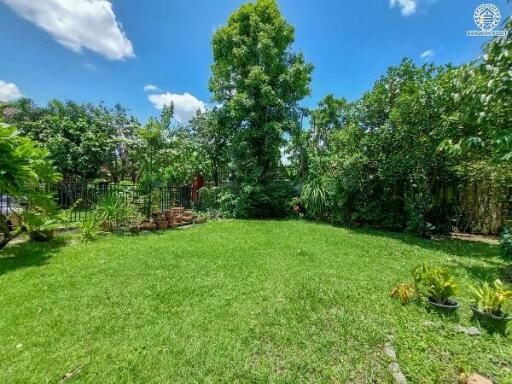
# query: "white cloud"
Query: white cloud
151,88
408,7
427,54
78,24
185,105
9,91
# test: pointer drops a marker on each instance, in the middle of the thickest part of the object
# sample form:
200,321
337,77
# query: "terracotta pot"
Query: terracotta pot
187,219
147,226
188,212
178,219
162,224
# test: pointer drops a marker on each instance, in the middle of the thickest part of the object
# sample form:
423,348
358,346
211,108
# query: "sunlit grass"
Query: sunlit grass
237,301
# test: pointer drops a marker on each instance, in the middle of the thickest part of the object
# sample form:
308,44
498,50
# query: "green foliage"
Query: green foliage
25,165
218,201
37,221
84,141
25,168
437,283
478,110
493,299
268,200
506,242
212,135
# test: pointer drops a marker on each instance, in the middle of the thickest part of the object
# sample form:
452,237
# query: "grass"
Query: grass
238,301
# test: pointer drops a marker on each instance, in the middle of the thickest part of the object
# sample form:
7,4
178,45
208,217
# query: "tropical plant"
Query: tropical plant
37,221
25,167
492,299
437,283
316,195
405,292
90,227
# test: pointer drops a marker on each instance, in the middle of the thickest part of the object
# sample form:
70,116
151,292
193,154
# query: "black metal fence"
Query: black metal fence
82,197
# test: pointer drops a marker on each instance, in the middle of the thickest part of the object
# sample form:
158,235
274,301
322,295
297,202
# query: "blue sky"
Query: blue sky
95,50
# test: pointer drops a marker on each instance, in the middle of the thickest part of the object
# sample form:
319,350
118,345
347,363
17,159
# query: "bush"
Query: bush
218,201
506,242
271,200
264,201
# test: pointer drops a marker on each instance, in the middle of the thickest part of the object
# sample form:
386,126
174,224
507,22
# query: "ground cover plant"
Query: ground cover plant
240,301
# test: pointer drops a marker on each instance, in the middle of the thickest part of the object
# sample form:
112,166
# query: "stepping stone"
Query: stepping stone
470,331
388,349
475,378
397,374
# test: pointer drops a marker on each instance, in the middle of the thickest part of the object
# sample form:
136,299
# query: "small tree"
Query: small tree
25,166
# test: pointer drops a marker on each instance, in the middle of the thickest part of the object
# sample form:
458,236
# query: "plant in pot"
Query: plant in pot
438,285
490,303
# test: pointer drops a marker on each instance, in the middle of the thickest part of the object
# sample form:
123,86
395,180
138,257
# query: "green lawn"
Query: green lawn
238,301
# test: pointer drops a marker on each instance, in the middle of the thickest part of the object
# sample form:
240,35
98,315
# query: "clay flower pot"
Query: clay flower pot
147,226
187,219
162,224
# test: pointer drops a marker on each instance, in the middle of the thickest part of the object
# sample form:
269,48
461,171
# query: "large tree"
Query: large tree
259,81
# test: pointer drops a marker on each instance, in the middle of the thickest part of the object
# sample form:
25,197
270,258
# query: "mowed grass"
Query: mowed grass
238,301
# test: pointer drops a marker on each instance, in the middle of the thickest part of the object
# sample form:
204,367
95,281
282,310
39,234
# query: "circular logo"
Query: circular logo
487,16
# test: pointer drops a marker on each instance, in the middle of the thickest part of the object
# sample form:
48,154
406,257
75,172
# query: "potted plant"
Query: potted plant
438,285
489,304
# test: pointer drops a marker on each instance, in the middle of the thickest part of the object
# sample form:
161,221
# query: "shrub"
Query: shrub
218,201
270,200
